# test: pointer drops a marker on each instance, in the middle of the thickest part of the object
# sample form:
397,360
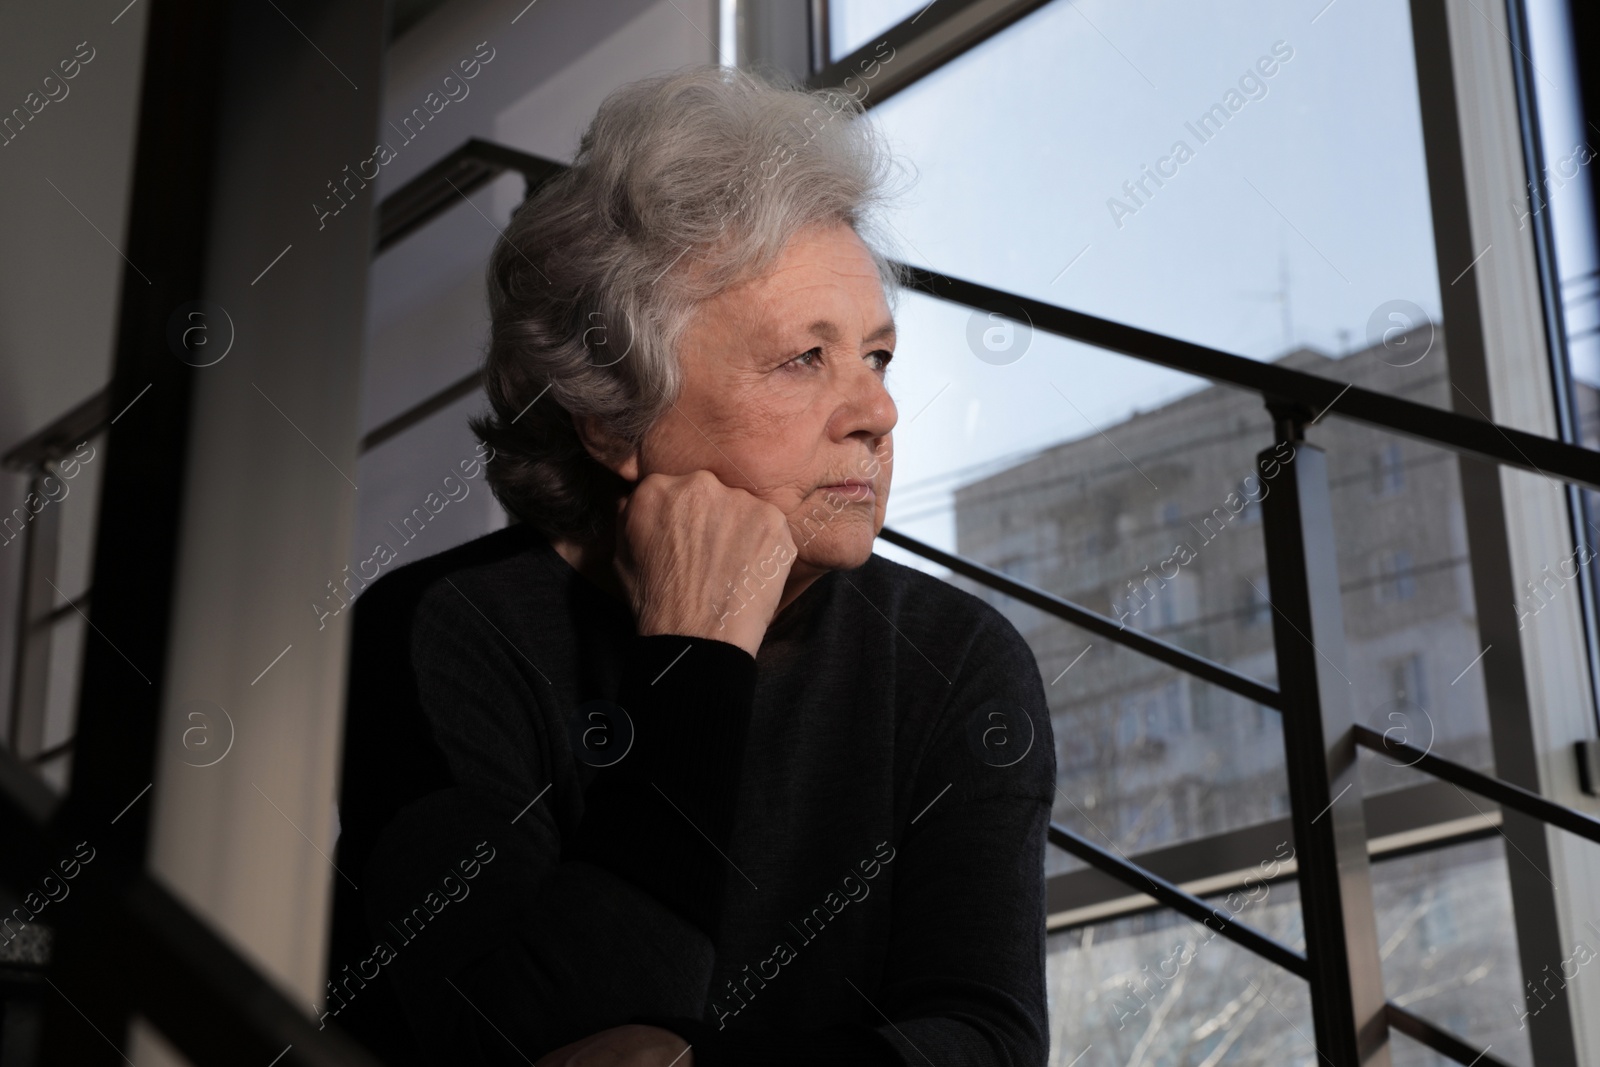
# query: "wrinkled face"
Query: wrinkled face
784,396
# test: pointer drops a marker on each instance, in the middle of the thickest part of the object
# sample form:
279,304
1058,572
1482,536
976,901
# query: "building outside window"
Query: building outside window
1388,470
1397,580
1317,258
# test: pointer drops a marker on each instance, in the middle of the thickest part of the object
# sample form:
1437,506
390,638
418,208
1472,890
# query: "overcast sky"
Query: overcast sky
1314,189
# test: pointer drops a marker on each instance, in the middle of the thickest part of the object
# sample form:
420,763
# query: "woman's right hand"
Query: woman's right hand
702,559
623,1046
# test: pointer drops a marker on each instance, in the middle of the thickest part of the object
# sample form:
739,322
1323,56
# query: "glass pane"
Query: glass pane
853,23
1147,756
427,322
1449,945
1249,179
61,694
80,510
1563,197
68,502
969,411
13,494
1125,488
1161,989
1409,1053
427,312
421,493
1411,624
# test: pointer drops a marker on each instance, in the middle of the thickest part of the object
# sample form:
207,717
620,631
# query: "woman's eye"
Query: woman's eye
882,357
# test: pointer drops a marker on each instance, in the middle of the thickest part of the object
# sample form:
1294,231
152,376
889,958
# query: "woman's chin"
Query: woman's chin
842,547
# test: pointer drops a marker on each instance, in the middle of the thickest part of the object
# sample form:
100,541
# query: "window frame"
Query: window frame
1466,74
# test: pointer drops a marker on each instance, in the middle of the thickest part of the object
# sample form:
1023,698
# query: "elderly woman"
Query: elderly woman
673,769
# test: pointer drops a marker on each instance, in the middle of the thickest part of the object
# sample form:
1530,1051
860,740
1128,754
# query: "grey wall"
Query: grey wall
327,343
427,318
59,271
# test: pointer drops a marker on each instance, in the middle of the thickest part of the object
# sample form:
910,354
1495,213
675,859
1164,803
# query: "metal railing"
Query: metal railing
247,1020
1307,626
1295,398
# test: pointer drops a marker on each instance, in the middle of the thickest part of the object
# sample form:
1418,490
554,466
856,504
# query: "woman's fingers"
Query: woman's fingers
623,1046
703,559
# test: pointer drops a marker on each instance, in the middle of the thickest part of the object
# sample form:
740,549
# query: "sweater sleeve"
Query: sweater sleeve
662,815
561,930
964,980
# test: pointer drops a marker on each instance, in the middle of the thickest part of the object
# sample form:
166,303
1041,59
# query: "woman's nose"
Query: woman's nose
867,406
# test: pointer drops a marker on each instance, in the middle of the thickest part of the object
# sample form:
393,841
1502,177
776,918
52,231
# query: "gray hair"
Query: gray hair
683,185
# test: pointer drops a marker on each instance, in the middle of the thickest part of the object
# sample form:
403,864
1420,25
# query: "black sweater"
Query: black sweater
830,853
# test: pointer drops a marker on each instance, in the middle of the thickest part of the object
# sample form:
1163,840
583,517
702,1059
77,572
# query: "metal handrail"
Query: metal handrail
190,981
1441,1041
1242,934
62,435
1401,822
1253,940
1276,383
1170,654
1498,790
478,162
399,424
462,172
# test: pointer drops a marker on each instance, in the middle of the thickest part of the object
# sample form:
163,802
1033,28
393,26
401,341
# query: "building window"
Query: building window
1388,471
1149,602
1407,680
1263,716
1127,727
1396,579
1152,715
1257,601
1251,491
1200,446
1166,609
1438,930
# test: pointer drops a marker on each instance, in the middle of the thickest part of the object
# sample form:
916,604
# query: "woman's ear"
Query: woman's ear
607,448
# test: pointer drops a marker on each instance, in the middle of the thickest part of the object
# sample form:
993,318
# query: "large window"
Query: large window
1254,181
1281,184
1561,204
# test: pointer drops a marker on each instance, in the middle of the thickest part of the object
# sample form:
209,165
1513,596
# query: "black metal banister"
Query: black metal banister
1256,942
399,424
211,1002
1431,425
1496,789
478,161
1441,1041
62,435
182,954
1397,824
1094,622
1242,934
459,174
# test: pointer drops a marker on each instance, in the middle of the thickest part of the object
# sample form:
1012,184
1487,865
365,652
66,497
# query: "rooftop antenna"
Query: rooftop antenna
1280,296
